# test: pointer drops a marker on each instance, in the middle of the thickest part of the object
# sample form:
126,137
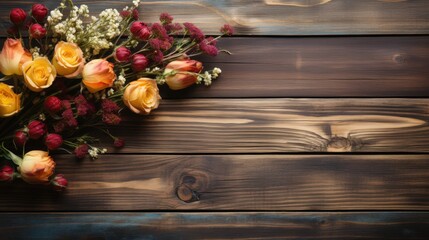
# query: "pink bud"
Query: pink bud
36,31
119,143
140,30
52,104
183,73
59,183
6,173
122,54
19,138
140,62
17,16
39,12
36,129
53,141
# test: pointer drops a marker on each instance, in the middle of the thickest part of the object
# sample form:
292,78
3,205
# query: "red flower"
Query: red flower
17,16
6,173
36,129
194,32
39,12
59,126
53,141
173,27
59,183
119,143
109,106
66,104
140,30
36,31
158,56
227,30
208,46
81,151
159,31
165,18
111,119
122,54
69,118
126,13
19,138
139,63
159,44
52,104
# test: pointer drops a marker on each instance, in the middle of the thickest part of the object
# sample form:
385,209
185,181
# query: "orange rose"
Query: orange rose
68,59
39,74
36,167
12,57
10,103
142,96
181,74
98,75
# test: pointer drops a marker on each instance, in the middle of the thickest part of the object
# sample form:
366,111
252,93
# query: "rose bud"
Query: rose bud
97,75
122,54
36,31
52,104
119,143
13,56
36,167
182,73
140,30
53,141
39,12
139,63
20,138
6,173
36,129
59,183
81,151
17,16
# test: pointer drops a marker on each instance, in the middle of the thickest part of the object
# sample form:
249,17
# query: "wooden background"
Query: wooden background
317,128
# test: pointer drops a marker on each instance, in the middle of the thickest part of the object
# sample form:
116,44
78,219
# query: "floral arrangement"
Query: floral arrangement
75,72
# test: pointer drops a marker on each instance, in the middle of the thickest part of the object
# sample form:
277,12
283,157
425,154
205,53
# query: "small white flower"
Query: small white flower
136,3
110,92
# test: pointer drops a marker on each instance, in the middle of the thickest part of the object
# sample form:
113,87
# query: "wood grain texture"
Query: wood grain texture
294,225
231,182
286,17
279,125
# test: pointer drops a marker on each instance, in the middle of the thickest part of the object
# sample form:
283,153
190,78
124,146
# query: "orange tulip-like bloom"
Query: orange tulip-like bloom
181,74
10,103
12,57
39,74
98,74
142,96
36,167
68,59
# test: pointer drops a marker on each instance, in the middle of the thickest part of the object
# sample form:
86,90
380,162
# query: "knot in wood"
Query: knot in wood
190,185
186,194
339,144
399,58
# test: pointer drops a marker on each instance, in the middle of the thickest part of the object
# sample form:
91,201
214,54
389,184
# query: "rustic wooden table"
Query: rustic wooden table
318,128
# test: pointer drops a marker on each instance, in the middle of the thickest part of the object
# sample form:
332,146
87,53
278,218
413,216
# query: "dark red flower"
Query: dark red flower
109,106
158,56
159,44
159,31
17,16
59,126
81,150
165,18
83,106
66,104
52,104
69,118
59,183
111,119
139,63
36,129
140,30
39,12
194,32
173,27
122,54
20,138
208,46
126,13
6,173
53,141
118,142
36,31
227,30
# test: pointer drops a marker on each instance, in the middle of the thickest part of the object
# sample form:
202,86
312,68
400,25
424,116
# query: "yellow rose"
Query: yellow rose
12,57
39,74
142,96
98,74
36,167
10,103
68,59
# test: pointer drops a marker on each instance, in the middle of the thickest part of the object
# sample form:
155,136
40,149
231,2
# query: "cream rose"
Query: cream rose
68,59
98,74
36,167
39,74
10,103
12,57
142,96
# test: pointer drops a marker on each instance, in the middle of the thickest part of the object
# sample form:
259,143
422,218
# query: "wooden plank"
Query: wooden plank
275,17
279,125
294,225
231,182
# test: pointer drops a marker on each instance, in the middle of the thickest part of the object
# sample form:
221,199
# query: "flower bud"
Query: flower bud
140,30
182,73
39,12
52,104
6,173
17,16
59,183
119,143
140,62
126,13
53,141
81,151
122,54
20,138
36,129
36,31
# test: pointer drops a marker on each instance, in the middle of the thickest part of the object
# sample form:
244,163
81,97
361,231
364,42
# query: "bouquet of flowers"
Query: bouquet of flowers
75,72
